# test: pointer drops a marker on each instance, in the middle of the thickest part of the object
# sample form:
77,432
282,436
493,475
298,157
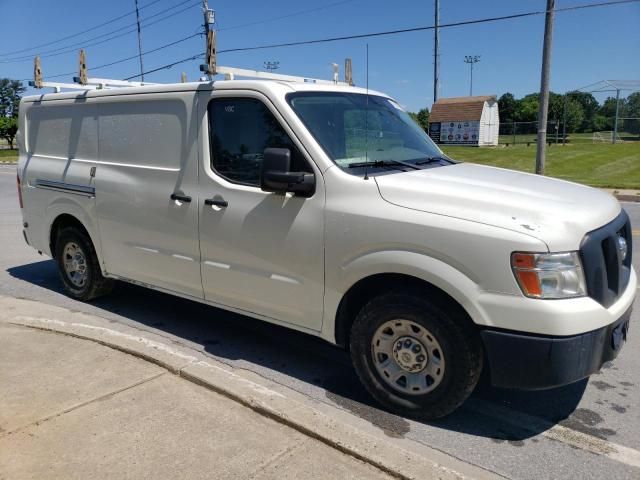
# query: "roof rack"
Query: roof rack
231,72
211,68
83,82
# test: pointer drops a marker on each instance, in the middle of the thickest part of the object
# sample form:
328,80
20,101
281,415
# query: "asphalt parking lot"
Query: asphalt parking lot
590,429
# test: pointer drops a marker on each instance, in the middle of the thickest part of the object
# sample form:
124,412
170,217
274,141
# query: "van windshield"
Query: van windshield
354,129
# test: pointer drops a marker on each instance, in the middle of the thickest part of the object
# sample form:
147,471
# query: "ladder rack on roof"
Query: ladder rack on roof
111,83
85,83
231,72
82,82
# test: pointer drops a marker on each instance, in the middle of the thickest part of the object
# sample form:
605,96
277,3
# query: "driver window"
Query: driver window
241,129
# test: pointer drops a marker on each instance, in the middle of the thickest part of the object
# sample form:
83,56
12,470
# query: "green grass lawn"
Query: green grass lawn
598,165
571,137
8,156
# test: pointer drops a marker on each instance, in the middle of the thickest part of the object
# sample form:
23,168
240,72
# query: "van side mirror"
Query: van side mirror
276,177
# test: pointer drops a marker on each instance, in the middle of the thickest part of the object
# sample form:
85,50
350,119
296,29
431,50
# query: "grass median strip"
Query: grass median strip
598,165
8,156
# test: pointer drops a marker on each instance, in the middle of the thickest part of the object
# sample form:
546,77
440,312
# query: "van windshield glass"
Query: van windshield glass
353,128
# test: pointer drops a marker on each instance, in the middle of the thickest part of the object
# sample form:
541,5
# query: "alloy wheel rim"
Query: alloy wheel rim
75,264
408,357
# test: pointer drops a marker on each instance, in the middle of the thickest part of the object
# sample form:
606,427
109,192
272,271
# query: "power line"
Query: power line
83,44
73,47
122,60
430,27
294,14
389,32
404,30
102,24
167,66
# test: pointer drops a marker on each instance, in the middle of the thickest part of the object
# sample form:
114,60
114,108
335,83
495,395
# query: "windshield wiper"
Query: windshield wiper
434,159
384,163
428,160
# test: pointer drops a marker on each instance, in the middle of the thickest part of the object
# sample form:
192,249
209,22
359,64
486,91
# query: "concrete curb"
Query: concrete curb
403,459
627,197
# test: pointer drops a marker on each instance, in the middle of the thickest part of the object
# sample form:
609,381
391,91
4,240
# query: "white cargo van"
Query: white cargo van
328,210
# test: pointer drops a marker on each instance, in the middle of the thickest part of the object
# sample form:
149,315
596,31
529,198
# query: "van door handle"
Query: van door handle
216,202
181,198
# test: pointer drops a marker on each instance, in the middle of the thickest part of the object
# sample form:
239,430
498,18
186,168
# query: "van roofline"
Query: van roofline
260,85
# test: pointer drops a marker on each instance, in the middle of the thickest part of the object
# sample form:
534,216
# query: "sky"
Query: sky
588,45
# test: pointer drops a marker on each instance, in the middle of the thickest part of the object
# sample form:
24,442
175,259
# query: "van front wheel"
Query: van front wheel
78,266
415,357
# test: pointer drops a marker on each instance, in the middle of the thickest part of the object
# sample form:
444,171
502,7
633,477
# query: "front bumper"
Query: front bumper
534,362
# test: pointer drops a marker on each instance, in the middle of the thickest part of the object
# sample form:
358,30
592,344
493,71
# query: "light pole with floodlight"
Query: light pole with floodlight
471,59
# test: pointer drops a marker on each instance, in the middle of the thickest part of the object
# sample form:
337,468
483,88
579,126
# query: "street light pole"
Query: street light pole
471,59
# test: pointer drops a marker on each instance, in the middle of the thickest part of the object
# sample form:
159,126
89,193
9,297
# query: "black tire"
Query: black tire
460,344
95,284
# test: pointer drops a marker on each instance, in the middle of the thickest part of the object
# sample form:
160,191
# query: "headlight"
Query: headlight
549,275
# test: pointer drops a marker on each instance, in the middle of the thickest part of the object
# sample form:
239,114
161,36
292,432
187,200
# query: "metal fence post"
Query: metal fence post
615,122
564,119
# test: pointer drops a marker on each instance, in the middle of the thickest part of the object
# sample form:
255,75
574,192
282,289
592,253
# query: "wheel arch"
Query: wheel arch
373,285
65,220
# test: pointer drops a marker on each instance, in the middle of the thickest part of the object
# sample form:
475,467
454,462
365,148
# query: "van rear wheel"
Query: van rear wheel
78,266
414,356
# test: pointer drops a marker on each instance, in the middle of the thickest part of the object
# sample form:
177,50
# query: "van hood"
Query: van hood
556,212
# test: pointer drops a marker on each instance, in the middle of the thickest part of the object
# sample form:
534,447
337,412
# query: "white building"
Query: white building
465,121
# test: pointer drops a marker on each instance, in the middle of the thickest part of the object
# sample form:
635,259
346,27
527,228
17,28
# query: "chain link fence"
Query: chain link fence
526,133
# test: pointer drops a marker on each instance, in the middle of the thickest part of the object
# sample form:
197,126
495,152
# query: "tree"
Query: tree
632,110
608,108
10,93
589,106
527,111
8,129
421,118
575,112
601,123
507,106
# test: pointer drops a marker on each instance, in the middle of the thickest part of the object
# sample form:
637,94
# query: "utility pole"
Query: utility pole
471,59
139,42
210,38
543,109
436,52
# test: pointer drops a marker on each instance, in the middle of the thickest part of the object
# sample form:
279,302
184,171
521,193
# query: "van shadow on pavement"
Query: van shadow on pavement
303,362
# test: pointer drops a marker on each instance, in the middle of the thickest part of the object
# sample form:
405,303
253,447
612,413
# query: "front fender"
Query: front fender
452,281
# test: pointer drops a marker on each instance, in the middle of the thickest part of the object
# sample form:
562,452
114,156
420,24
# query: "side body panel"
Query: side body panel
57,141
147,152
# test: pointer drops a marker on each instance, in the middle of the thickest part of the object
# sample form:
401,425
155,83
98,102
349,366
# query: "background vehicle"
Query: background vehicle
327,210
